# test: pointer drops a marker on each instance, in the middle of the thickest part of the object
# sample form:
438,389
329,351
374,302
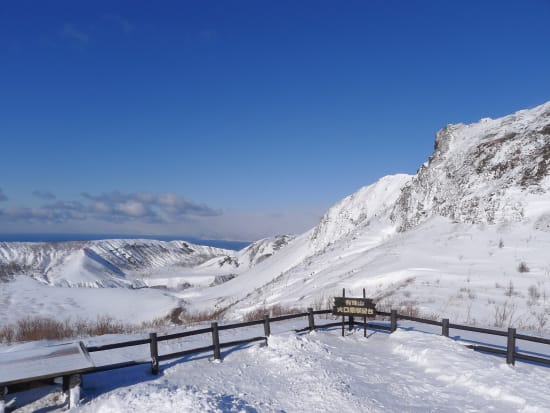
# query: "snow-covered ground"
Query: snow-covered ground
26,297
411,370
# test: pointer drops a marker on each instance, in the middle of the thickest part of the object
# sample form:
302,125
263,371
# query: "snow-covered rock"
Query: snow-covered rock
105,263
492,171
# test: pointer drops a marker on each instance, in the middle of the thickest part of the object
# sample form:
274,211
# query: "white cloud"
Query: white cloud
153,213
132,208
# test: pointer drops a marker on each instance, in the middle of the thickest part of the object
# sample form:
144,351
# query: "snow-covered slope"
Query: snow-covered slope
253,254
467,237
131,262
356,211
106,263
362,217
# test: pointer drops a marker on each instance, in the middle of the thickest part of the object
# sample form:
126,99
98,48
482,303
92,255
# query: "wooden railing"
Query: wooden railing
511,353
511,335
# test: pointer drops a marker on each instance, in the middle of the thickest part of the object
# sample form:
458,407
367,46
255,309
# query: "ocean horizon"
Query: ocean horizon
55,237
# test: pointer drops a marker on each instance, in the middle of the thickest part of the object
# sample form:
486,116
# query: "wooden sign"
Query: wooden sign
360,307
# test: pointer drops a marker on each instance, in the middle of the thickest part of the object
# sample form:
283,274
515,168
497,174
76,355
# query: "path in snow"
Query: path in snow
407,371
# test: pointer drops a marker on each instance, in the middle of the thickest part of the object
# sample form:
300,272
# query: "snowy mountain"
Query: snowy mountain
356,211
493,171
253,254
130,262
467,237
106,263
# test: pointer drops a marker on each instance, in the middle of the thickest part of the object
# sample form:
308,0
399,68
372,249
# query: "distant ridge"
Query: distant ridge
55,237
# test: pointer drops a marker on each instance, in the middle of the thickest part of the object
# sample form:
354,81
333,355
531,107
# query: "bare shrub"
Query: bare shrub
385,305
504,314
542,319
30,329
155,324
409,308
510,289
534,293
180,316
431,316
323,303
107,325
257,314
274,311
522,267
41,328
201,316
278,310
7,333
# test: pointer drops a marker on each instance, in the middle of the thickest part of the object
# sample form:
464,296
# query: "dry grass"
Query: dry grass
40,328
201,316
274,311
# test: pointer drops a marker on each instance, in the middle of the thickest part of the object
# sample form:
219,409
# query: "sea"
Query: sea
226,244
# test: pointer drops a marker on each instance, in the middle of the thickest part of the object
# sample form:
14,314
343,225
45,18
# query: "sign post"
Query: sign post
360,307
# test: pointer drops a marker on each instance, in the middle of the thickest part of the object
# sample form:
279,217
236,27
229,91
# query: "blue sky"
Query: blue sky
241,119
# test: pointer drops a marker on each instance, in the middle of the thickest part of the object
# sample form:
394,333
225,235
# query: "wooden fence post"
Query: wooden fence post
445,327
3,392
267,327
393,320
511,347
216,341
153,347
71,386
65,385
311,319
343,317
364,318
350,323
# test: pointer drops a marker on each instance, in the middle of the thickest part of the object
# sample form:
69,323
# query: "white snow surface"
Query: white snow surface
28,298
407,371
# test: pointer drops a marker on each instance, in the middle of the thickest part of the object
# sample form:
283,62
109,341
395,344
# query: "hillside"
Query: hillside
466,237
105,263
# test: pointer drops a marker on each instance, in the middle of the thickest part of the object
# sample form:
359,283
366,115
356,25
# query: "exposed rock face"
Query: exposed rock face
481,173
